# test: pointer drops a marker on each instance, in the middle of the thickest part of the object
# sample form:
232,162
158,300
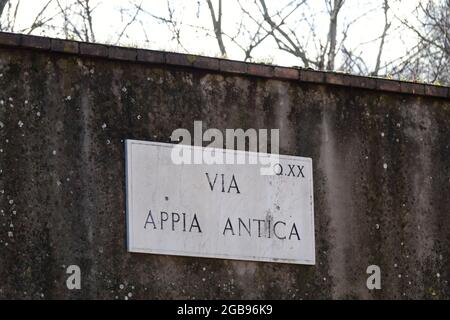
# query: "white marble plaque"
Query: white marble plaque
226,211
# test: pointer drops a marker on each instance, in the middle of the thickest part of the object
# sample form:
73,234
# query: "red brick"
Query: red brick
388,85
67,46
178,59
120,53
92,49
336,79
206,63
285,73
150,56
436,91
36,42
412,88
312,76
362,82
260,70
232,66
10,39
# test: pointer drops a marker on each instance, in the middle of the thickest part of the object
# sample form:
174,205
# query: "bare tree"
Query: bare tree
261,24
387,25
86,15
334,9
217,24
2,6
10,13
77,19
10,18
132,20
430,59
287,39
245,38
316,33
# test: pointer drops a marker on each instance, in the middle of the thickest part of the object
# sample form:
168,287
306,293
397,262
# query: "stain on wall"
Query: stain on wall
381,180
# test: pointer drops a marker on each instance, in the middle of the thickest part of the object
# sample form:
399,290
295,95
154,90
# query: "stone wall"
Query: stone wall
380,151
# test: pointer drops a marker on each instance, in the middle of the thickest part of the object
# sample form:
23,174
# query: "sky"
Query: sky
194,20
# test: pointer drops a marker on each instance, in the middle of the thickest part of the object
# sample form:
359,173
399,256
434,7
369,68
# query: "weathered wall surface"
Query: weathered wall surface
381,180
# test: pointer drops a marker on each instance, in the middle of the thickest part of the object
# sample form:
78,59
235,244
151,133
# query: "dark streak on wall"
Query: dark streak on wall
381,179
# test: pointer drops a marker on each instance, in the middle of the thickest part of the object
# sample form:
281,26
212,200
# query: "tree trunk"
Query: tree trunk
332,34
2,6
217,24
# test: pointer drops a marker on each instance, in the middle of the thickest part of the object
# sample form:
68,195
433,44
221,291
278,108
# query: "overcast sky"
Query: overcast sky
194,17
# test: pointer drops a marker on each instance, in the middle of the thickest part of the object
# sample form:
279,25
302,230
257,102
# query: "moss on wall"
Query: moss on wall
381,180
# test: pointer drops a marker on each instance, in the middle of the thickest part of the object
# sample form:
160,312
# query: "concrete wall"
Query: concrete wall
381,175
